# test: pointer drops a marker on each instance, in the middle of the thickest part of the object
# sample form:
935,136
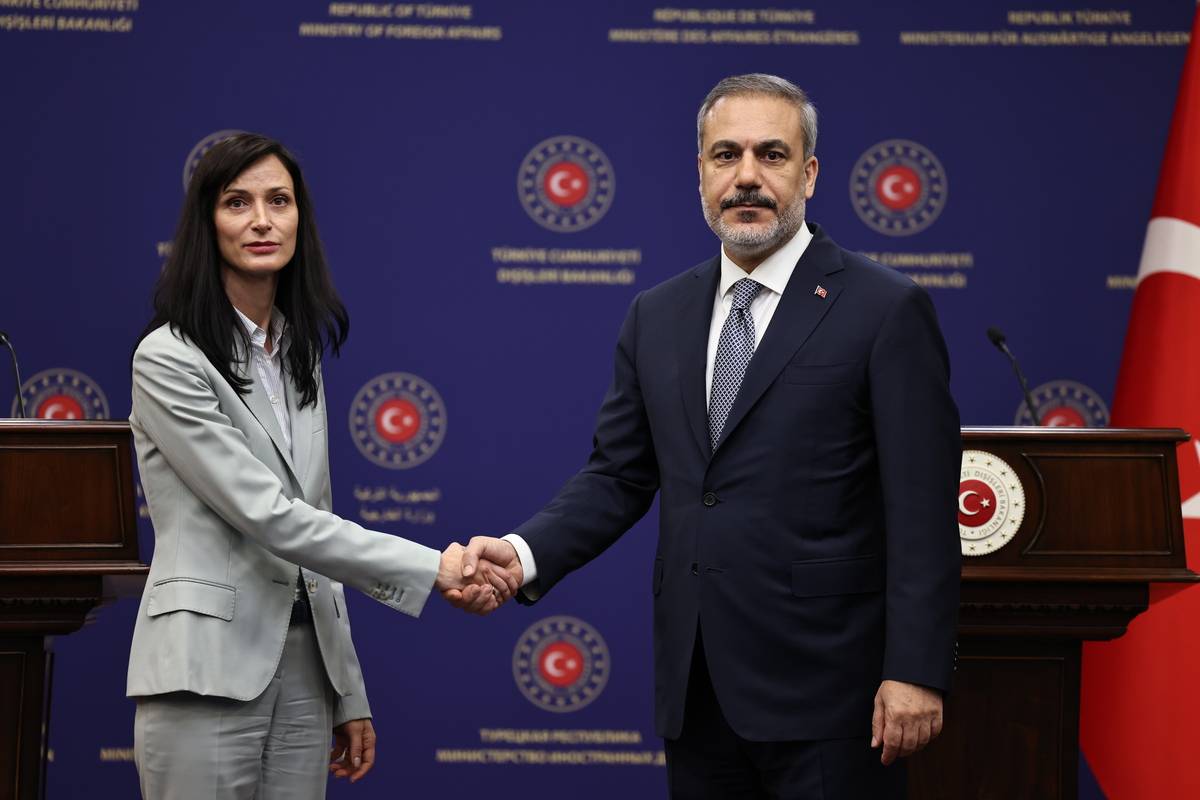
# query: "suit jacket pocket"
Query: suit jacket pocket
191,594
833,576
820,374
656,585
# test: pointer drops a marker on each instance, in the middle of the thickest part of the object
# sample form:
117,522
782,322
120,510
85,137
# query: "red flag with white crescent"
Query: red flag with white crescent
1140,704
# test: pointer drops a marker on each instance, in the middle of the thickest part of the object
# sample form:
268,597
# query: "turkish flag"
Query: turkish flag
1141,693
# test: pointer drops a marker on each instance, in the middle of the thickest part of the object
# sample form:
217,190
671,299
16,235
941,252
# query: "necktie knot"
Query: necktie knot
744,292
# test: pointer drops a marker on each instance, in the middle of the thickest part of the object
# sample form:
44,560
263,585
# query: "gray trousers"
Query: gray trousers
274,747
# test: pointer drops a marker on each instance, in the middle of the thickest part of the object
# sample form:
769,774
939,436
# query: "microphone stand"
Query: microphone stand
16,373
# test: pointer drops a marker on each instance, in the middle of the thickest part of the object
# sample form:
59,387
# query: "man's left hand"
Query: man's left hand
353,752
907,717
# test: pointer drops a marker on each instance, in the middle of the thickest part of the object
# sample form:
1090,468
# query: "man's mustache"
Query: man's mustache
748,199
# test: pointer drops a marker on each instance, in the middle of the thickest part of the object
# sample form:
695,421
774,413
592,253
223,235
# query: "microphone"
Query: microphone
997,338
4,340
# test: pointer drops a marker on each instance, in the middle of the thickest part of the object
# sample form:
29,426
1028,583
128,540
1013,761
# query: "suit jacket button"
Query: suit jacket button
709,499
695,568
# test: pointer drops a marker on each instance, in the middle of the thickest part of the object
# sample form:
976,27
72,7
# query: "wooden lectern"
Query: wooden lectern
68,544
1102,520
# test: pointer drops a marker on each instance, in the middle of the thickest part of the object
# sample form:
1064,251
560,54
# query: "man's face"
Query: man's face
754,179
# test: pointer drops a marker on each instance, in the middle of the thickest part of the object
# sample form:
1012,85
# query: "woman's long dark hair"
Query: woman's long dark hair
190,296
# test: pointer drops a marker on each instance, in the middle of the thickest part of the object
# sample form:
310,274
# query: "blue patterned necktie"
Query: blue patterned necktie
734,350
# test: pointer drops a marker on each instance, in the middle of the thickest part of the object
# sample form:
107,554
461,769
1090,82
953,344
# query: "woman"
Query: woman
242,661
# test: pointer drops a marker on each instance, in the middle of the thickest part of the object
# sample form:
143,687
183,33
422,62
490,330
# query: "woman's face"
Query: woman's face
256,220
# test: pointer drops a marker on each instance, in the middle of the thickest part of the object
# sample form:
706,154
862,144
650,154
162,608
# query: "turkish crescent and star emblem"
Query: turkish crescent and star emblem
398,420
976,503
63,394
1065,404
991,503
561,664
898,187
566,184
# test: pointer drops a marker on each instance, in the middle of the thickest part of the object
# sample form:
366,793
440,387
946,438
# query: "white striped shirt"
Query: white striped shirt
270,376
270,368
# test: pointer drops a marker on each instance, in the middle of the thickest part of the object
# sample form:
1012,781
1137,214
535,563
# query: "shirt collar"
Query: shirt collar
258,337
773,273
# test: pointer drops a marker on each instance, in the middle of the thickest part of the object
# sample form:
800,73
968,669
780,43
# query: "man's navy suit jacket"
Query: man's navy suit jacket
817,548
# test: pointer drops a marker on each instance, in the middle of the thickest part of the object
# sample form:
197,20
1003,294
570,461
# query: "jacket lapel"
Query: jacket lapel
695,317
302,420
259,405
799,312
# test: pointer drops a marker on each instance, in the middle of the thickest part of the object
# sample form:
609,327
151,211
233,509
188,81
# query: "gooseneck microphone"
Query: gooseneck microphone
4,340
998,339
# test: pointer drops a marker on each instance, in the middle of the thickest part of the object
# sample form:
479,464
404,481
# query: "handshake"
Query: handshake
480,577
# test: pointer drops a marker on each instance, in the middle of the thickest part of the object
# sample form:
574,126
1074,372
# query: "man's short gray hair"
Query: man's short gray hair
772,86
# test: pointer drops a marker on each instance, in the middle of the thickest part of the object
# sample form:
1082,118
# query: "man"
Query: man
790,400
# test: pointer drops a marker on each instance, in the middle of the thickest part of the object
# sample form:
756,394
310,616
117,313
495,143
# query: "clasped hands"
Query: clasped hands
480,577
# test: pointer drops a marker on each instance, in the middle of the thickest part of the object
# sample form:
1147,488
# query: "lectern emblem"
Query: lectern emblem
1065,404
398,420
561,664
991,503
898,187
566,184
63,394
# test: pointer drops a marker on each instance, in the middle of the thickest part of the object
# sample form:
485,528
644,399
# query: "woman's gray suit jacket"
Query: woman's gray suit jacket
234,514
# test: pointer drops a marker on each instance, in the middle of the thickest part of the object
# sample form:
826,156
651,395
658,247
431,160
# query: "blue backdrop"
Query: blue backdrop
1005,158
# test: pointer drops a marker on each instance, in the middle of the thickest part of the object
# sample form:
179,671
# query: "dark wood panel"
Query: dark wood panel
60,496
66,492
1012,725
1126,491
